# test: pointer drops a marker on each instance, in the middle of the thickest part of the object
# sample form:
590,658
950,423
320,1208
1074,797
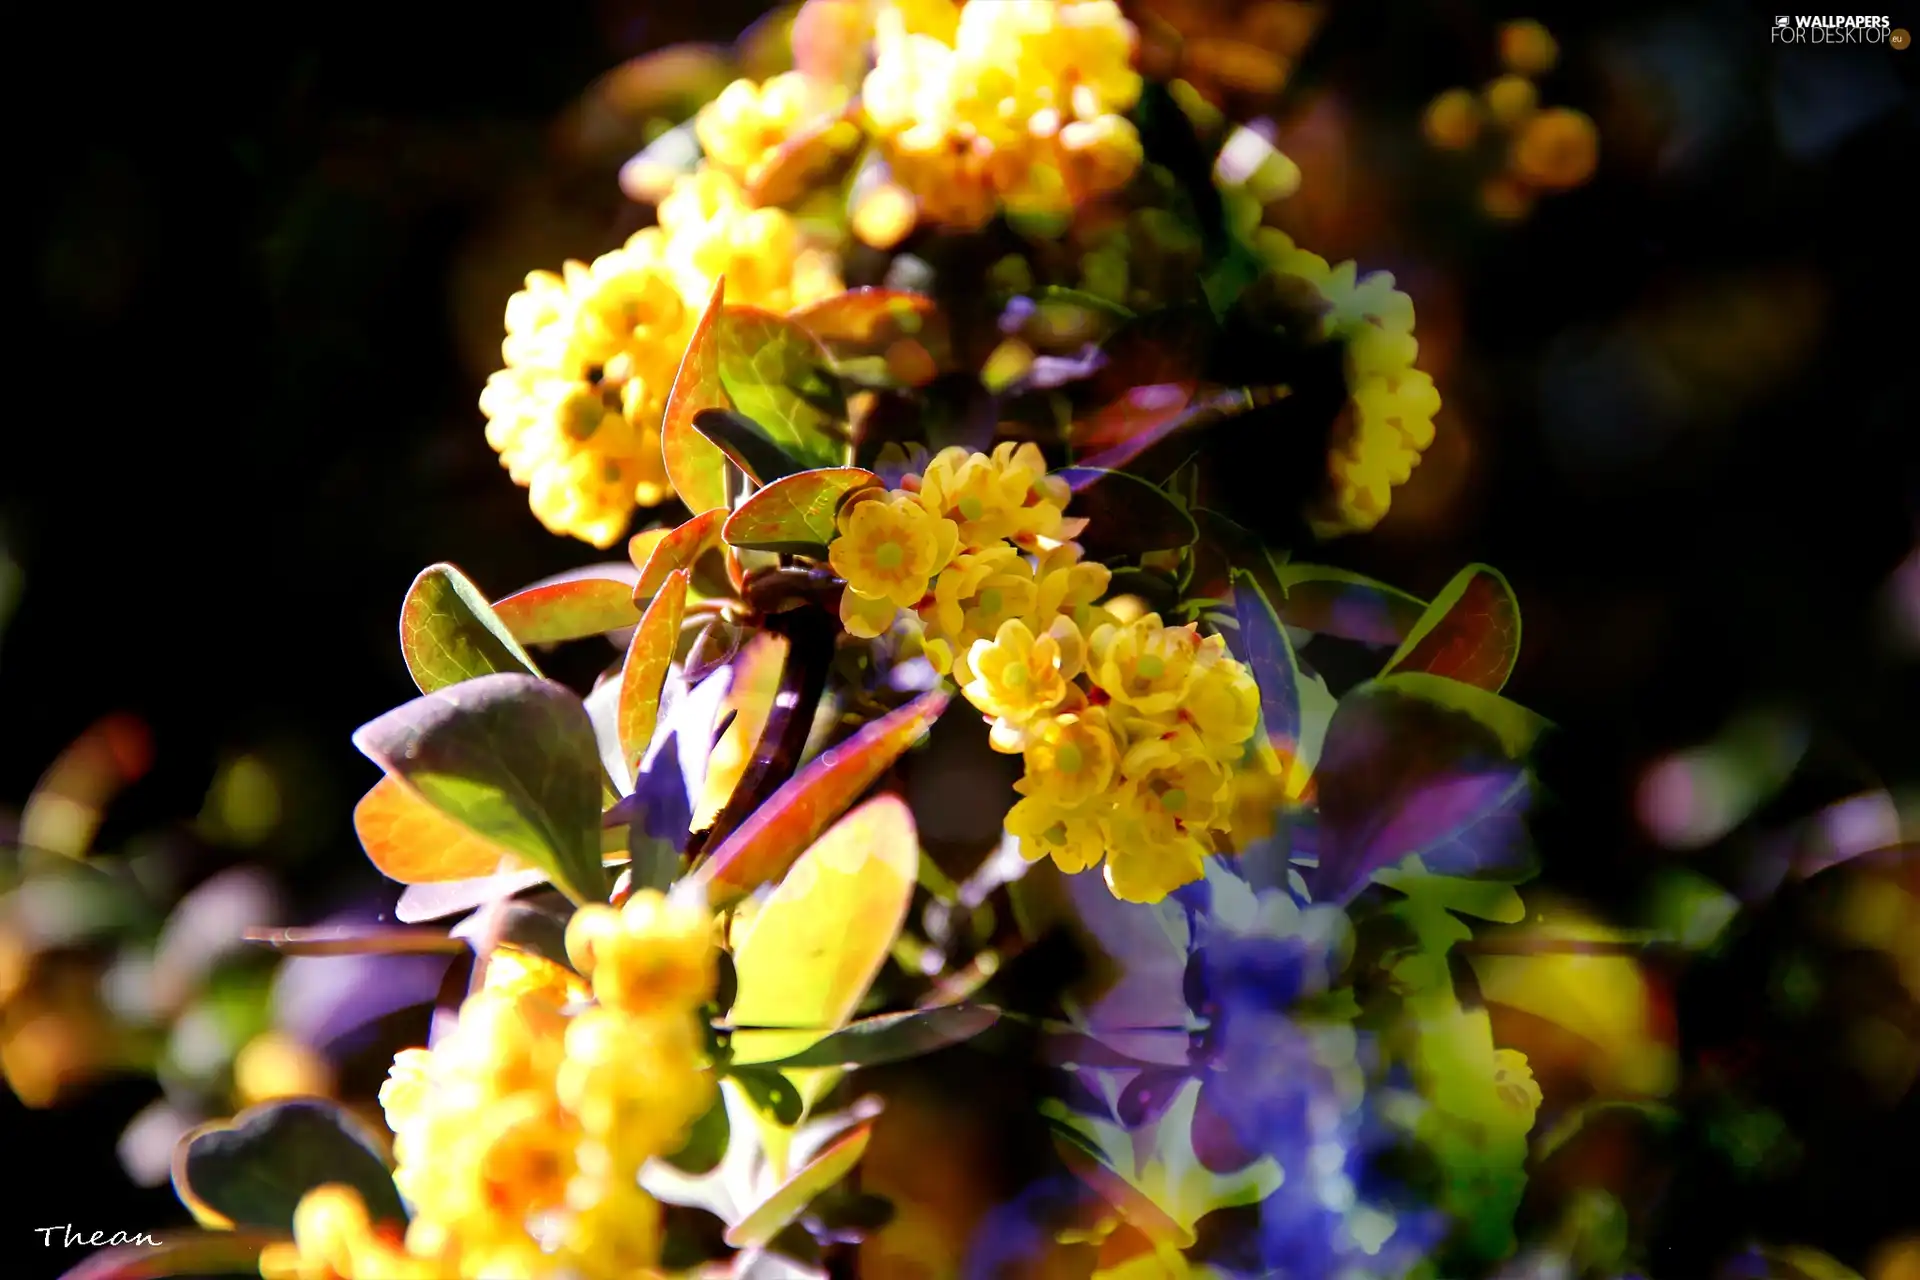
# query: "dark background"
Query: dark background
266,260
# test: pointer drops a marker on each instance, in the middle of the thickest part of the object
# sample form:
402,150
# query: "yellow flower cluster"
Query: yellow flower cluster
519,1138
1554,149
1003,104
591,353
1388,423
1131,730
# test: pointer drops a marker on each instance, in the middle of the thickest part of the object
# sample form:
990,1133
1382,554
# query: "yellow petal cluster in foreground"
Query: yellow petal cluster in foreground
519,1137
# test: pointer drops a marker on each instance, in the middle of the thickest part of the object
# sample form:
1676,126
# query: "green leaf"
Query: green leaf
1270,656
893,1037
778,375
811,951
571,608
787,1203
1516,727
1470,633
706,1143
766,844
1335,602
252,1170
222,1253
649,655
698,470
1126,515
747,444
511,757
795,515
771,1092
449,633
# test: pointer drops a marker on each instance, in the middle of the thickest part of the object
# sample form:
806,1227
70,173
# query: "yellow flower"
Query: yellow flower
867,618
1018,678
1018,103
1146,668
708,229
1144,867
648,956
744,126
1070,586
1072,838
1223,703
1172,785
1070,759
575,416
1527,48
890,548
634,1082
335,1239
1510,99
973,597
1452,120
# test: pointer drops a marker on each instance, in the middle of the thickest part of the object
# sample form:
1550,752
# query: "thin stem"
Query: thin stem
810,634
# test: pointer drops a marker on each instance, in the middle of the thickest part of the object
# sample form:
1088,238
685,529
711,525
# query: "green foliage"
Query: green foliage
252,1171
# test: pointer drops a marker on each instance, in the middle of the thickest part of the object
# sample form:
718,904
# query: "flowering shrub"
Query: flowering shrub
942,337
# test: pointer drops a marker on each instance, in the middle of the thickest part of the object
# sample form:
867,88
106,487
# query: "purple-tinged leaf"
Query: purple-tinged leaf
1268,653
1349,606
1126,515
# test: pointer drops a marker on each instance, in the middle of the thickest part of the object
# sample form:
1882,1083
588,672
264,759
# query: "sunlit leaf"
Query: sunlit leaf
570,609
788,1202
766,844
252,1170
449,633
795,515
411,841
747,444
892,1037
350,940
778,375
1470,633
812,949
1335,602
221,1253
649,655
1606,1002
511,757
681,548
1126,515
1271,658
698,469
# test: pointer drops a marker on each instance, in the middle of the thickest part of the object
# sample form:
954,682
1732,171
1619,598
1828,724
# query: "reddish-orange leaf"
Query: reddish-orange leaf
568,610
649,655
411,841
793,817
695,464
1470,633
680,549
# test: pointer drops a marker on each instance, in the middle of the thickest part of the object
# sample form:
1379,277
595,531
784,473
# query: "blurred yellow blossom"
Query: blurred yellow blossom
1014,104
